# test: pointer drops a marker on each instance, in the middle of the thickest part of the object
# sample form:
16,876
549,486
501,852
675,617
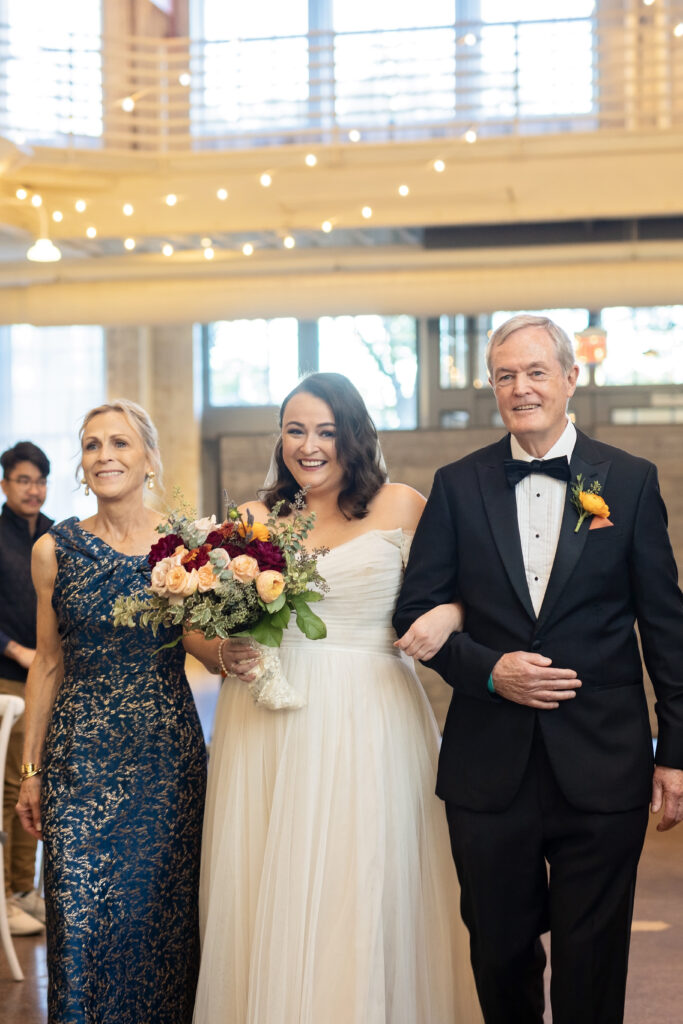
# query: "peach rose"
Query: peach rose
179,554
269,584
180,584
206,578
594,504
245,568
159,573
257,531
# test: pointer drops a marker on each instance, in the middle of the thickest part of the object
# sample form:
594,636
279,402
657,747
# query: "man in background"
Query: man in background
25,471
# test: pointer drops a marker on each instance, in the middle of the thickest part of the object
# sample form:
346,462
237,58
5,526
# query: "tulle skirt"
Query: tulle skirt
328,893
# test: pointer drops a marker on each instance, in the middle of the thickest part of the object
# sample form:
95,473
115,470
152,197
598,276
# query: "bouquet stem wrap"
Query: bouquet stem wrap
270,688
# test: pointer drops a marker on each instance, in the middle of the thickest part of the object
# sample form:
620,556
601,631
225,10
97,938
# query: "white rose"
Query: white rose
159,573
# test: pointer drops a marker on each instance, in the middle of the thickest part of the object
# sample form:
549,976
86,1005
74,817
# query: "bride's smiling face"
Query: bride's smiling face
309,443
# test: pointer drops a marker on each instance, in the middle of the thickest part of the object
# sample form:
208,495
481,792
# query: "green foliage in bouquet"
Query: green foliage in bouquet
236,578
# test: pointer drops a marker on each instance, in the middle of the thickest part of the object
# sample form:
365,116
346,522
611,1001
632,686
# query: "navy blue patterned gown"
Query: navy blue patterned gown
122,796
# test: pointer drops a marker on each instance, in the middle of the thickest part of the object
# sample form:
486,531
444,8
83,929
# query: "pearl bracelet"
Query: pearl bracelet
221,663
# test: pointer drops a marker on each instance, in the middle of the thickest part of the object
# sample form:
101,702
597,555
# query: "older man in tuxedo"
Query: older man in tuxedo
546,765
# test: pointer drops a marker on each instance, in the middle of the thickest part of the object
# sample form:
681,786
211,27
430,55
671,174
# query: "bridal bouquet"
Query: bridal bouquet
239,578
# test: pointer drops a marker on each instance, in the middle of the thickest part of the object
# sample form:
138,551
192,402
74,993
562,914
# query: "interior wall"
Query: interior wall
155,366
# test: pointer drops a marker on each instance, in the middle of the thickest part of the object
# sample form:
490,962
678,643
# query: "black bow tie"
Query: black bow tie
517,469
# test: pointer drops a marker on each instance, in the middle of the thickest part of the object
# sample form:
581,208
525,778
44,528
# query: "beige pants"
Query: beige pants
20,849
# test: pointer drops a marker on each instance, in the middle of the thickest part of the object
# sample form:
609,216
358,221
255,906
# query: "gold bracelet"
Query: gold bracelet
28,771
220,658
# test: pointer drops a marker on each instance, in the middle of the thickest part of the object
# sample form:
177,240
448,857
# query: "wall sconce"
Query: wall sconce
591,345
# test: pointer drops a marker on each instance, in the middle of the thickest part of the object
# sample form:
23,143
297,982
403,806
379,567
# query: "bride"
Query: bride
328,894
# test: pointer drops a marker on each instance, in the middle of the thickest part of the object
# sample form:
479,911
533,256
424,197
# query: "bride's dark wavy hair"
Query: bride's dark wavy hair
356,443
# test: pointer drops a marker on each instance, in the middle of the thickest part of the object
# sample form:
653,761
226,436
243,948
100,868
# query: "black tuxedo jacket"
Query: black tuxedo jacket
467,546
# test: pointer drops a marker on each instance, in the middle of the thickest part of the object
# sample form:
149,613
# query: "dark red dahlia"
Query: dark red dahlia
218,537
267,554
163,548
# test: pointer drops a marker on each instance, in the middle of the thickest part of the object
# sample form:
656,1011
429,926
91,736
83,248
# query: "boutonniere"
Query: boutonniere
587,502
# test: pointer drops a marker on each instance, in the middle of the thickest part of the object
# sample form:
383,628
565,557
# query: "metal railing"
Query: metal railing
583,74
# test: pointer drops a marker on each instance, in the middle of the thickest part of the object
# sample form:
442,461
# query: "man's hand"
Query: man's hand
667,793
23,655
527,678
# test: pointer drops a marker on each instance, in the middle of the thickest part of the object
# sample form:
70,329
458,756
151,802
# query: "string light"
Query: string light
326,226
470,135
208,253
128,209
36,200
21,193
129,244
403,190
266,180
311,159
80,205
167,249
184,78
469,39
678,30
288,242
366,212
222,194
247,248
128,104
205,243
57,216
439,166
171,199
91,232
354,135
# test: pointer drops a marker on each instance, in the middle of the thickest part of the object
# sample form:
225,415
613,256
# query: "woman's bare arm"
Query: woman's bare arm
44,680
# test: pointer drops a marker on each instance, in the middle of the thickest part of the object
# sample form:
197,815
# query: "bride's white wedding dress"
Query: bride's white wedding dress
328,893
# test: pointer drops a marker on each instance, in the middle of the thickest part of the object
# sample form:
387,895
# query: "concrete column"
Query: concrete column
156,367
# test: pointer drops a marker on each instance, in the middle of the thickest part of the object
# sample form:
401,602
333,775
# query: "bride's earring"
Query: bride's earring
87,489
150,479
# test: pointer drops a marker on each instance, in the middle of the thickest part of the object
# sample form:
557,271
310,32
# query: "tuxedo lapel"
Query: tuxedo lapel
501,510
570,544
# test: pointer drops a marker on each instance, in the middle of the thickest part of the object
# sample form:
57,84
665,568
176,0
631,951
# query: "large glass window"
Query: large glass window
385,71
50,377
253,69
53,82
252,362
453,351
644,346
379,354
536,62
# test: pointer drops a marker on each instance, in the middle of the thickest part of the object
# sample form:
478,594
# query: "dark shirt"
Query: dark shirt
17,596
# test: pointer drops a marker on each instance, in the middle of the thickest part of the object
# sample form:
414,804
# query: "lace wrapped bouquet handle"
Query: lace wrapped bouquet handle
270,688
239,578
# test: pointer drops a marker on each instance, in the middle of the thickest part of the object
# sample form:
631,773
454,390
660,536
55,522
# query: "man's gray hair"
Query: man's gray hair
564,349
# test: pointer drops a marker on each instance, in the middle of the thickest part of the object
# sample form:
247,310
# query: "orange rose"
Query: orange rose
180,584
269,585
244,568
206,578
594,504
257,531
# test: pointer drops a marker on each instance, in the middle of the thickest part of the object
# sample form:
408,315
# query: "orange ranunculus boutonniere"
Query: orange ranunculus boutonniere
587,502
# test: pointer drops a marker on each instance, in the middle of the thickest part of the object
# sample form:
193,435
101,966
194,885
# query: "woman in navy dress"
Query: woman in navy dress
115,764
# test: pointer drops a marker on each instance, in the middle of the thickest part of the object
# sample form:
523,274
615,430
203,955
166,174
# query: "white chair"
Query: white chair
10,709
